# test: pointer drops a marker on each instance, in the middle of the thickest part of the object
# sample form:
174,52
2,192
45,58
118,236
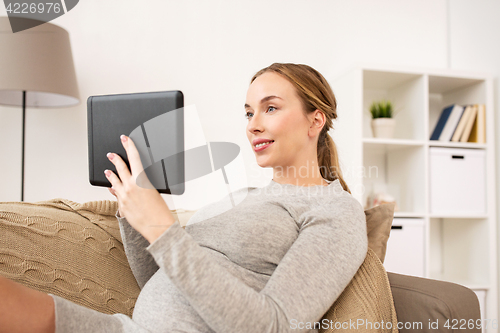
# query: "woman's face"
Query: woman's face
278,128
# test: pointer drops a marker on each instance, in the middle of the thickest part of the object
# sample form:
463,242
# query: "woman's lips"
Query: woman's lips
260,148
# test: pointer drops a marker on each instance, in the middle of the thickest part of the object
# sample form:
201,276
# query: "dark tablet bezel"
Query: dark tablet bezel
156,103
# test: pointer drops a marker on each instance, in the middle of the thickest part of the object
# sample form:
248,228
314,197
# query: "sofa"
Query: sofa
74,250
434,304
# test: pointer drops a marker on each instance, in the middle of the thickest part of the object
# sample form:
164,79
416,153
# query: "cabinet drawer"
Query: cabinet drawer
405,248
457,181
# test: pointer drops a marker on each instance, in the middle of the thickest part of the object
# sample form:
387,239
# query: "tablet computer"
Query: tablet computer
155,123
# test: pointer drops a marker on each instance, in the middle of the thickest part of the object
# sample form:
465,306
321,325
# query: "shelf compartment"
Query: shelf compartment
445,91
439,84
406,91
460,251
397,169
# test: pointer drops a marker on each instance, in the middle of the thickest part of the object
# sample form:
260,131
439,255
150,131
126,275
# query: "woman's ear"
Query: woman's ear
317,121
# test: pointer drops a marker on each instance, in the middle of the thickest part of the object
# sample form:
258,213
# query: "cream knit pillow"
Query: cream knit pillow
366,304
70,250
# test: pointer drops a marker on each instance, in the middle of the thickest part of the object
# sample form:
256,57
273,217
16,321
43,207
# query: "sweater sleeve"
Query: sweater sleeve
141,262
315,270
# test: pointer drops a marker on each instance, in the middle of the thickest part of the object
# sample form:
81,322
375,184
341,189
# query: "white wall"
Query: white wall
209,50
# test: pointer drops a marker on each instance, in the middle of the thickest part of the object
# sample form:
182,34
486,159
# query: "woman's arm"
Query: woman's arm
140,260
319,265
143,206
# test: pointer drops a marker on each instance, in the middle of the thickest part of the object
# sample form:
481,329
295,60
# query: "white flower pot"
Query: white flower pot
383,127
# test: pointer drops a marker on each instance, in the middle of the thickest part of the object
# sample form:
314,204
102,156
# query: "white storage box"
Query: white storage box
405,248
457,181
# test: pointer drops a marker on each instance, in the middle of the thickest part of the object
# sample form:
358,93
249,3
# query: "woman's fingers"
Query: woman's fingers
120,165
114,180
133,155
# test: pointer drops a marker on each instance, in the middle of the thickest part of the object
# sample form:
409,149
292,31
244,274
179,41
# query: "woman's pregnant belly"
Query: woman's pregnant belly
161,307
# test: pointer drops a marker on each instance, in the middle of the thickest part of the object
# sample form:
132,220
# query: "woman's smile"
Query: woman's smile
262,146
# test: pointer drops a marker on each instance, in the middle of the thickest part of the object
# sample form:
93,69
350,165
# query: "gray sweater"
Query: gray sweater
274,263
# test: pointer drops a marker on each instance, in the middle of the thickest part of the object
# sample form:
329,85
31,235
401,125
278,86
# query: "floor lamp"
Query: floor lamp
36,70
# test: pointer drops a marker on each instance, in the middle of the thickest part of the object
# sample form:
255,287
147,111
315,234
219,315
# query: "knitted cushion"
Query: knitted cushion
366,304
378,226
70,250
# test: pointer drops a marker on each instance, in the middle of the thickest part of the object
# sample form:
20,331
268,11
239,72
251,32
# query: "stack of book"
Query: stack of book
461,123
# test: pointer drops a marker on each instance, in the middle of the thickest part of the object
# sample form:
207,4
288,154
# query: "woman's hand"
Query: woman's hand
145,209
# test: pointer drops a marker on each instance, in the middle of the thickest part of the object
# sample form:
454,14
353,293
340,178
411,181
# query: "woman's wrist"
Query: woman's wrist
152,233
154,230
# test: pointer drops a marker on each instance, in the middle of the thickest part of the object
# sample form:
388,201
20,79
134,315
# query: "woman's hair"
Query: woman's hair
315,93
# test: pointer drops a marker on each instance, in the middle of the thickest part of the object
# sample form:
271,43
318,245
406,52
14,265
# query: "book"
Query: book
468,127
481,123
478,132
441,122
461,124
473,133
451,123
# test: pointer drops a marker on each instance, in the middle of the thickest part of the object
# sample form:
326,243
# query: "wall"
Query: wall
209,50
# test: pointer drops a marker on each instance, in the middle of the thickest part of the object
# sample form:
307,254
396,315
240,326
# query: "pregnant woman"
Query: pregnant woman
274,263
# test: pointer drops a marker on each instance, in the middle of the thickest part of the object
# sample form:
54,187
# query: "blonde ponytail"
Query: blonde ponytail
329,161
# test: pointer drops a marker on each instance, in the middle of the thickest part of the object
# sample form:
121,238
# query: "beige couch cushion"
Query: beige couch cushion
366,304
70,250
378,226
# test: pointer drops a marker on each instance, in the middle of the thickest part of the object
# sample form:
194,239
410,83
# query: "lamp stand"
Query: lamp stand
22,156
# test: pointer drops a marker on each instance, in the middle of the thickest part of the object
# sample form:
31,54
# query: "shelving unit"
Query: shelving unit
458,247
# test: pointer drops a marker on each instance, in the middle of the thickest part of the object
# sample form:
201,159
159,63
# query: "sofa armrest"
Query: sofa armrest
427,301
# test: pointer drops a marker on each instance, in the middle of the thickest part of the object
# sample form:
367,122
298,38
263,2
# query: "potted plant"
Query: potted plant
382,122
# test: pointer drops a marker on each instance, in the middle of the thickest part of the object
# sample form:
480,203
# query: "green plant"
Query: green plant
381,109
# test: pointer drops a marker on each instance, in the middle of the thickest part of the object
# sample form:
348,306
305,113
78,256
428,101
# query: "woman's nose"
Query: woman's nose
255,124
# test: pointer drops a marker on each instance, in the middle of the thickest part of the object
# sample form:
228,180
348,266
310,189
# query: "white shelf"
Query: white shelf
396,142
409,214
435,143
380,146
458,216
459,248
476,286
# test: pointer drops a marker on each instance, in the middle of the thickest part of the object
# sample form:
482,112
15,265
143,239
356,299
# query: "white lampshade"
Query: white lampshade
38,61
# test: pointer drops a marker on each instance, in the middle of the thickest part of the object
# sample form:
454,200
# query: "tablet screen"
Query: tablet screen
155,123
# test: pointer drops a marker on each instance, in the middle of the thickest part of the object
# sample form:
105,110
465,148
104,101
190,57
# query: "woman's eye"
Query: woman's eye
269,109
